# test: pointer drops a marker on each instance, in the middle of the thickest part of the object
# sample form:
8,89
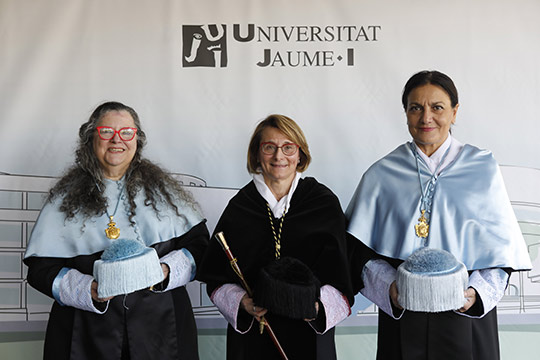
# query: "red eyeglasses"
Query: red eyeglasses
107,133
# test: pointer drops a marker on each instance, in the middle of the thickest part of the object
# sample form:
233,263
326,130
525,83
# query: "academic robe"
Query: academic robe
471,217
140,325
313,232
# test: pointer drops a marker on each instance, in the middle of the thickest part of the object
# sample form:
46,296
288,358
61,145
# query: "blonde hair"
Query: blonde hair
288,127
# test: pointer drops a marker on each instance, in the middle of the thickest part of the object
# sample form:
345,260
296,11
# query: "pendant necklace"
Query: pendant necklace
422,228
112,232
277,237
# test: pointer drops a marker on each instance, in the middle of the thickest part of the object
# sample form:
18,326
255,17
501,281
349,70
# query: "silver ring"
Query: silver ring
254,310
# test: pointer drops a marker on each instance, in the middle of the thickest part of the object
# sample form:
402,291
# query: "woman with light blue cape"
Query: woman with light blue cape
438,193
114,246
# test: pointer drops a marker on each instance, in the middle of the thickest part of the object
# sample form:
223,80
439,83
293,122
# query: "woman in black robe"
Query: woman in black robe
111,180
279,214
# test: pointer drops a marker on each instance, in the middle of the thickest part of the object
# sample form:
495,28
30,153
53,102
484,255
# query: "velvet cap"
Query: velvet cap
432,280
125,267
288,287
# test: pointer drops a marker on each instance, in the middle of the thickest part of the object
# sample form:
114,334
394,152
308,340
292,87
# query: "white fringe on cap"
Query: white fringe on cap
432,291
128,275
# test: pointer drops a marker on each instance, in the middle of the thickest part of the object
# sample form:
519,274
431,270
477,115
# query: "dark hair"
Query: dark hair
430,77
80,185
287,126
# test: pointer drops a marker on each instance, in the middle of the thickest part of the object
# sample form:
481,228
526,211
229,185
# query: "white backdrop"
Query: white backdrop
349,60
61,58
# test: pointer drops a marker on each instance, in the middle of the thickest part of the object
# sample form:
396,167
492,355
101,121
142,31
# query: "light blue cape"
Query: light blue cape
471,214
54,236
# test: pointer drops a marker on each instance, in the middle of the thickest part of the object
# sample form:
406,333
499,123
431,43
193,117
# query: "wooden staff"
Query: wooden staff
220,237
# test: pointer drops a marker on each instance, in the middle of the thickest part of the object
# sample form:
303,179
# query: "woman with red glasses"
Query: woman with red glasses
288,234
109,195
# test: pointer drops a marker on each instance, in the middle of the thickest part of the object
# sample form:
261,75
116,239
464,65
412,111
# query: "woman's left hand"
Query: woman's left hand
470,295
316,312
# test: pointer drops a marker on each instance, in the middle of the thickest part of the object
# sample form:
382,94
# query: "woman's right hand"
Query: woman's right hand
93,289
249,306
394,295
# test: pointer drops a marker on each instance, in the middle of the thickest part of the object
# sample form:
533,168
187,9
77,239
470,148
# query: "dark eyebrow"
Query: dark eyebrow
437,103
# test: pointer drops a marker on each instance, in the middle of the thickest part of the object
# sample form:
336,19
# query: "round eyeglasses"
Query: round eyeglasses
288,149
107,133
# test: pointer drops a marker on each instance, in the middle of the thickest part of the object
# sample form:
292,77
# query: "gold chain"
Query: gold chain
277,238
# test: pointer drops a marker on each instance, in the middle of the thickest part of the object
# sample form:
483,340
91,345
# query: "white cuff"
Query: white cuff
377,277
182,268
336,307
73,288
227,298
489,285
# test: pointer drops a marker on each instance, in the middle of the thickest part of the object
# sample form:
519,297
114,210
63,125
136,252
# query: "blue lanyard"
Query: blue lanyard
428,190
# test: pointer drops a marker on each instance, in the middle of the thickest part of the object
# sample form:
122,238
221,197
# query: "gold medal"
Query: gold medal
422,228
112,231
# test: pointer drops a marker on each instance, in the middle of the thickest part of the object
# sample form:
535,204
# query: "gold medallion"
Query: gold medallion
112,231
422,228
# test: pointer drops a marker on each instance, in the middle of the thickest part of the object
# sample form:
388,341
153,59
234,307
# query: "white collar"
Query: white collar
278,207
451,144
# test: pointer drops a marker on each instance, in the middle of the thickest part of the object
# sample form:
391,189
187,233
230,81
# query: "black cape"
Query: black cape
141,325
313,232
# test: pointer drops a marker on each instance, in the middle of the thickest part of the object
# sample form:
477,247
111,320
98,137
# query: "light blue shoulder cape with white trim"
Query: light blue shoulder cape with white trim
54,236
471,215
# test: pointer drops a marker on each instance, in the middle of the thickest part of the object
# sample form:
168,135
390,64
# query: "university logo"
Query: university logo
204,45
280,45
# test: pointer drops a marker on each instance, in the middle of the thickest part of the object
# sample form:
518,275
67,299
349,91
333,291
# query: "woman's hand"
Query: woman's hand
165,269
394,295
470,295
93,289
249,306
316,312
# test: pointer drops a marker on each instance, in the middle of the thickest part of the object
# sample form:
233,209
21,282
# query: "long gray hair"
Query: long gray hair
80,186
